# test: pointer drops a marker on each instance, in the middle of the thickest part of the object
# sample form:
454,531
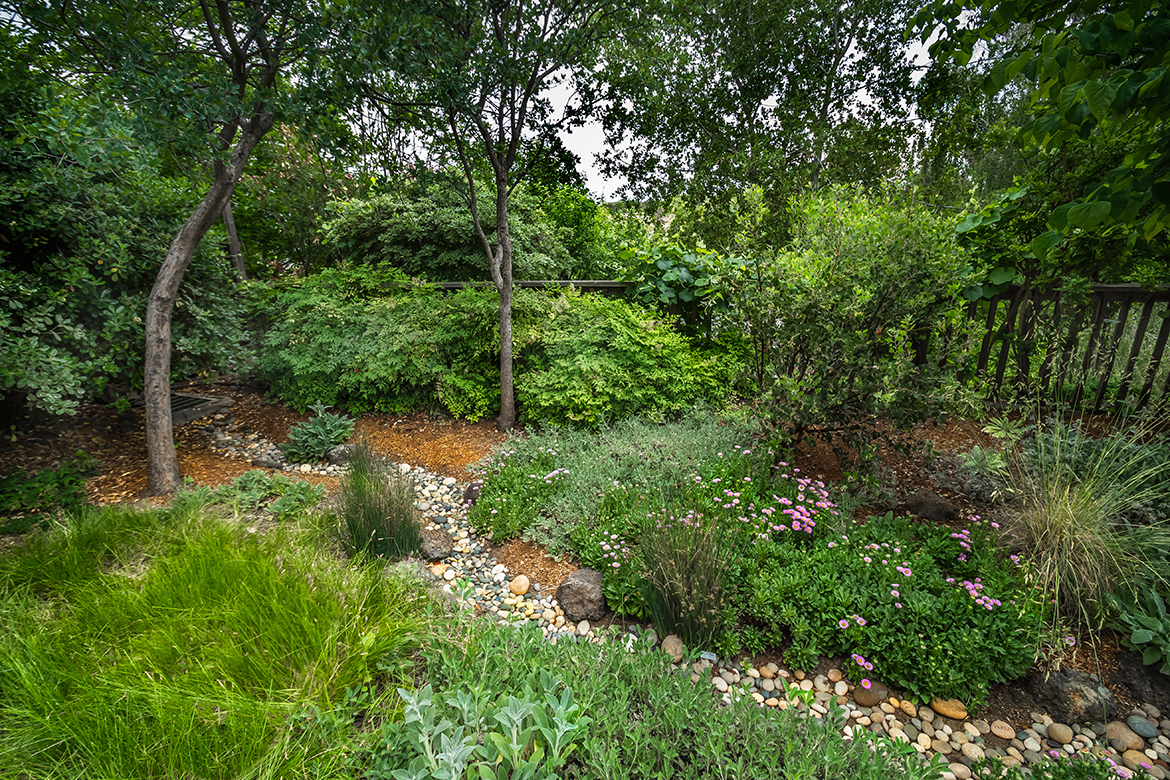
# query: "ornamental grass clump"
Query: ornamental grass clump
377,510
687,586
1080,515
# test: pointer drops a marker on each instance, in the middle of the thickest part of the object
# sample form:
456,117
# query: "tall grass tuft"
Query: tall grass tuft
377,511
158,648
686,578
1075,498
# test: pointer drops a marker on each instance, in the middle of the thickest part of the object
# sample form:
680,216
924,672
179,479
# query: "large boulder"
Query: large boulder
1069,696
931,506
580,596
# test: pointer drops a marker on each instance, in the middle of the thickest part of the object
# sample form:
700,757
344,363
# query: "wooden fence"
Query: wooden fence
1100,353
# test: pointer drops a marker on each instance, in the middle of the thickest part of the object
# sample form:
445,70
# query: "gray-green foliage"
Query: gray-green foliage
645,721
530,735
424,228
643,456
1142,617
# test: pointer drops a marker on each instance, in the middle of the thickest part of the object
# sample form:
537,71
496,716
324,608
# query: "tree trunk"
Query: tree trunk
162,463
507,419
235,251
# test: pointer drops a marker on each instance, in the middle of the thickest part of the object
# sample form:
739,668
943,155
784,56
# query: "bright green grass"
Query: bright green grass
145,645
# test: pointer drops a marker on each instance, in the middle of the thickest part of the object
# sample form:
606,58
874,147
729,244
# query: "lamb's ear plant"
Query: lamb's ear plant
309,441
1073,497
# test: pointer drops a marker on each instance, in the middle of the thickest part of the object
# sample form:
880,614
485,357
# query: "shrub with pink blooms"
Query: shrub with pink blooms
930,610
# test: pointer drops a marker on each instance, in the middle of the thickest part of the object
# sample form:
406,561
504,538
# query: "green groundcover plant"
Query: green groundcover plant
27,501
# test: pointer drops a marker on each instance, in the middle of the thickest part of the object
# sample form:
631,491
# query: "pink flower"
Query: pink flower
843,623
894,593
866,684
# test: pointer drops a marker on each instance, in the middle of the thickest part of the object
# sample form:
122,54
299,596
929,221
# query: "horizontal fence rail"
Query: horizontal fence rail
601,286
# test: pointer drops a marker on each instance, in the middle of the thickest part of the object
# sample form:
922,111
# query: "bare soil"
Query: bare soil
450,447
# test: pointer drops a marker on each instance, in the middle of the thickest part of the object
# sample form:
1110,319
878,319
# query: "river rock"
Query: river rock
580,596
949,708
872,696
1002,730
1133,759
960,771
1061,733
519,585
1116,730
1141,727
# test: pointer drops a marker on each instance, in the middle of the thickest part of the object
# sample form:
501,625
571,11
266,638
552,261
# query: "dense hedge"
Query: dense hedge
578,359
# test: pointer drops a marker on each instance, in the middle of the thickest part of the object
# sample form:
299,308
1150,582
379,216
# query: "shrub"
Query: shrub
309,441
578,359
26,501
603,359
685,578
852,319
392,353
377,510
1074,498
932,610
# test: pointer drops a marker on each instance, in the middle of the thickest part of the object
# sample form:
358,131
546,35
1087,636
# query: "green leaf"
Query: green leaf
1044,242
1087,216
1141,636
1002,275
1100,95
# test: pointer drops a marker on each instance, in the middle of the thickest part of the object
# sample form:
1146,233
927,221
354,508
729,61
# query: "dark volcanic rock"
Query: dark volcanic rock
1069,696
436,544
931,506
580,596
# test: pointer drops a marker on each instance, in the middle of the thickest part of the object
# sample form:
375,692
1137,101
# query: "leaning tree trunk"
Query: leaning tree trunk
162,463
